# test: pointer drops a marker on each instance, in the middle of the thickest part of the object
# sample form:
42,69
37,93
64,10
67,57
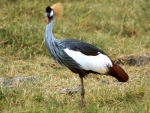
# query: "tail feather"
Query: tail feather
117,72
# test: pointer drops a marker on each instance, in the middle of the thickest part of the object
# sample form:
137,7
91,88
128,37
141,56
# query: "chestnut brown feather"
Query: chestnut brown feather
117,72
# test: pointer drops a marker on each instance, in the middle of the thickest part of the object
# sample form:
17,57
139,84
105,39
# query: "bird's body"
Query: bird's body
80,57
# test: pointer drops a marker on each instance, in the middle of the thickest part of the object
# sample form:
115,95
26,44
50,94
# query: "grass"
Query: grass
120,28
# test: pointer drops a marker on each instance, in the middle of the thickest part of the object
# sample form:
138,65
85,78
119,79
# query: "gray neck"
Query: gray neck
48,32
50,40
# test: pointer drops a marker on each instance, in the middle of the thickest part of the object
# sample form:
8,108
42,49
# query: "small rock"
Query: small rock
69,91
63,90
104,81
17,80
142,59
1,80
72,91
131,60
114,81
31,78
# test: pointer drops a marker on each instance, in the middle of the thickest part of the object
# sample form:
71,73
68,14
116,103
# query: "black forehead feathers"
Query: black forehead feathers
48,9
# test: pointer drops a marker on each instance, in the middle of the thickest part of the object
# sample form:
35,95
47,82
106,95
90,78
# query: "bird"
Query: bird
80,57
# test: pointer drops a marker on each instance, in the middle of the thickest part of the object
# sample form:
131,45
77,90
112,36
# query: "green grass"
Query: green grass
120,28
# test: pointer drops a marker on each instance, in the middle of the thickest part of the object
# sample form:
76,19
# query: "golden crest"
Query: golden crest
58,9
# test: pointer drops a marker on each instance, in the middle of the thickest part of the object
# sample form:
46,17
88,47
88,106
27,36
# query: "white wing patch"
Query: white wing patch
98,63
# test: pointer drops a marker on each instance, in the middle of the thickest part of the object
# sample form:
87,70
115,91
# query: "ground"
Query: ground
120,28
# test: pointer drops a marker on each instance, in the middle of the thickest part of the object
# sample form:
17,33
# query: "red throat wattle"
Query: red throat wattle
48,21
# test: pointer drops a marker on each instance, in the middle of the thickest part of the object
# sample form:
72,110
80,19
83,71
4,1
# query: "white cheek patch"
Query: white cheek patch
52,13
98,63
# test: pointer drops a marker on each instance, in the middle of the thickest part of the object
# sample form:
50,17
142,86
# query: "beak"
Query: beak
47,14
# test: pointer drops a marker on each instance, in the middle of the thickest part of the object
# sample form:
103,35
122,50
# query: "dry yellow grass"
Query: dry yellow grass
51,78
120,28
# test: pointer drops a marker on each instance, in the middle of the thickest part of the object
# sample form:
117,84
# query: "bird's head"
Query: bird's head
56,10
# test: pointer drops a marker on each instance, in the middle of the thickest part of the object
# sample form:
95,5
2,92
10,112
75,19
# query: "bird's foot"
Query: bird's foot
82,105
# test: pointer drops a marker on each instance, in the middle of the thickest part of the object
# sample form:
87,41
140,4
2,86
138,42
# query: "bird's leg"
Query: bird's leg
82,92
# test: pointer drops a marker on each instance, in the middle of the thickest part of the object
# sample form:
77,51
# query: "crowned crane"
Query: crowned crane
80,57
